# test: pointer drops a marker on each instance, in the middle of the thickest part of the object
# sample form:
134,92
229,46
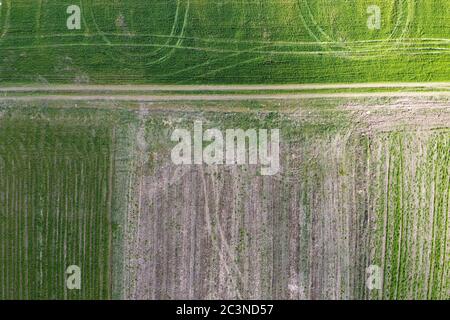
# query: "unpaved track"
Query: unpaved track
178,92
121,88
229,97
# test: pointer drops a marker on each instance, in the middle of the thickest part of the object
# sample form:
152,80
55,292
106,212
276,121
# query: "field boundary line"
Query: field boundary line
224,97
224,88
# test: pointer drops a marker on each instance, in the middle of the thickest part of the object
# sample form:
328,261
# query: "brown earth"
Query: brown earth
344,200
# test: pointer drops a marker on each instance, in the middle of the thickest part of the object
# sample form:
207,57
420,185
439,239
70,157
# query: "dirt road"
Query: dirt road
225,97
118,88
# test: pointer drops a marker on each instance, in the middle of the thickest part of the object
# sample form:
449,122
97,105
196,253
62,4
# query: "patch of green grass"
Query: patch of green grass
55,210
193,41
412,214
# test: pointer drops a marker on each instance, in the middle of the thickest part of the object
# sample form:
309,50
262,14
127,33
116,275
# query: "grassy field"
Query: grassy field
55,207
411,197
197,41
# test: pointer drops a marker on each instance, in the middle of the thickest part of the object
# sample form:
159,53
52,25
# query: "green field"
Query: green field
198,41
55,207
